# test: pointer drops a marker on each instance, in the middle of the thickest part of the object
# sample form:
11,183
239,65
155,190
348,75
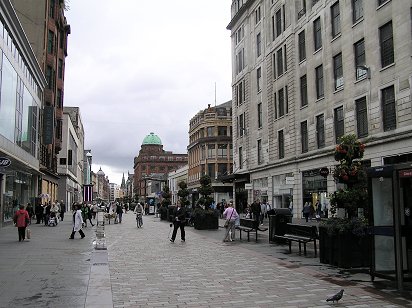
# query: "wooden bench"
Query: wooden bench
249,225
301,234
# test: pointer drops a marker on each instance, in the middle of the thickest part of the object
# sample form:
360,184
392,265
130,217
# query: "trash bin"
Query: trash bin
278,218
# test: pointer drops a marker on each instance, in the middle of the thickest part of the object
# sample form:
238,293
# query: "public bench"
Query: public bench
302,234
249,225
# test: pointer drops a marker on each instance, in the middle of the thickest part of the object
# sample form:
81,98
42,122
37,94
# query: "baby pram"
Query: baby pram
52,220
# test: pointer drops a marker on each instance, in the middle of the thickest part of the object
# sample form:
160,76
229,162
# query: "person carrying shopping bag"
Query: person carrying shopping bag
21,219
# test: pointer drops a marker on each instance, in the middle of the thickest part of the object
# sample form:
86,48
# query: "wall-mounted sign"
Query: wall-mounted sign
4,162
290,180
48,124
324,172
248,186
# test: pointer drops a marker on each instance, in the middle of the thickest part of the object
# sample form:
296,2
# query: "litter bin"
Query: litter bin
278,218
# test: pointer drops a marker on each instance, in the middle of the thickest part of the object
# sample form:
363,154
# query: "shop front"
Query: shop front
282,189
314,187
18,185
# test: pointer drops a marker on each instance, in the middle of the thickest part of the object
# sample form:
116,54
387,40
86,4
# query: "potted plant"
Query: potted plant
344,241
203,216
166,201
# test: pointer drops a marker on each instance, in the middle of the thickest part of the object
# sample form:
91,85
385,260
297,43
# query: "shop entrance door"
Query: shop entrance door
405,200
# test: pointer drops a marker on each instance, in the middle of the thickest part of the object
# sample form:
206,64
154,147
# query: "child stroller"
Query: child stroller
52,220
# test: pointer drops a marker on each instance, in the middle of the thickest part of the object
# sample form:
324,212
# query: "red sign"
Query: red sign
405,173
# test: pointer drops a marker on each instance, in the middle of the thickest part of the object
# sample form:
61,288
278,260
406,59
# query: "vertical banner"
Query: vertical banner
48,124
87,193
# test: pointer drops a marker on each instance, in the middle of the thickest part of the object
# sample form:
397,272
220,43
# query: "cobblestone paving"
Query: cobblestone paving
146,270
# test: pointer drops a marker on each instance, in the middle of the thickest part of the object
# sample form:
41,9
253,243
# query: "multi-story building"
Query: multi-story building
21,92
153,161
173,180
101,188
129,186
114,192
307,72
72,157
47,30
210,150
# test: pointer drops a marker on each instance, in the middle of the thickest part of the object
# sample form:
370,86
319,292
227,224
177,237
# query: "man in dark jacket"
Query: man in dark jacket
39,213
256,210
62,210
179,221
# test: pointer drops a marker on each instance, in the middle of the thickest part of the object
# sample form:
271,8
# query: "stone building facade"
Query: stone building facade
210,150
153,163
305,73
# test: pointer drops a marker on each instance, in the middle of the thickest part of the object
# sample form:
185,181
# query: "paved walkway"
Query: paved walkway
141,268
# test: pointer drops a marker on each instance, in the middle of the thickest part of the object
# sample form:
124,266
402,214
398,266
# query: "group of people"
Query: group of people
258,210
315,211
45,212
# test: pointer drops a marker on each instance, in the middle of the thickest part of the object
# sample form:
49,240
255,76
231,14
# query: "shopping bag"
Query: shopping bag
28,233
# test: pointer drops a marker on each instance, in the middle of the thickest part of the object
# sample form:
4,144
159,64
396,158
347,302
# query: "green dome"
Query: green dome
152,139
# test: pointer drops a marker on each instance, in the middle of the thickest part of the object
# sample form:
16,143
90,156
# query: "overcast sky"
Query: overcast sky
135,67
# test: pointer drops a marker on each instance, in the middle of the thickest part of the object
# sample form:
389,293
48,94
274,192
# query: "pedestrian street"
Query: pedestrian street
146,270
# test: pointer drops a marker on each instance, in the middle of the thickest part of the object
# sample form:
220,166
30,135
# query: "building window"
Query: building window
259,152
357,10
60,69
302,46
279,62
259,79
222,150
240,158
258,44
360,60
303,91
281,144
62,161
240,90
273,28
259,111
281,101
274,65
210,131
319,82
258,15
50,42
320,131
222,131
51,8
278,23
69,157
49,77
211,151
222,169
59,99
388,108
386,44
203,152
361,117
285,58
339,123
239,35
304,140
380,2
338,71
211,170
317,34
241,125
240,60
335,12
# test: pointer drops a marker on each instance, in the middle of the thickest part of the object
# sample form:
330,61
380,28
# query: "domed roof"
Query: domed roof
152,139
100,172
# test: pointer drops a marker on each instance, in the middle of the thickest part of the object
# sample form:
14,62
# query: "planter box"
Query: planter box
206,222
344,250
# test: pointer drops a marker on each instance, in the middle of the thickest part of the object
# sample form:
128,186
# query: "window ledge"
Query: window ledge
357,22
336,37
386,67
383,4
303,107
338,90
303,61
318,50
361,79
320,99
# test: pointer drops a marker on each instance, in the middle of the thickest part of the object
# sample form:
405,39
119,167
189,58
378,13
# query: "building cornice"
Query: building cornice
239,13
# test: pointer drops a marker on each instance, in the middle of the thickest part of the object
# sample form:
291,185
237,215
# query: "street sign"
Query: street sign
5,162
324,172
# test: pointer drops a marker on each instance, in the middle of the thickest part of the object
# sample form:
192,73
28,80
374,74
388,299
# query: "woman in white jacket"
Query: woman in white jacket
77,222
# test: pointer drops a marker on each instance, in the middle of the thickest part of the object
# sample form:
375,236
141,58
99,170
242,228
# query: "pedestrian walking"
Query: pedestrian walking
119,212
62,210
77,222
179,221
39,213
29,209
21,219
262,212
255,207
231,215
306,211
